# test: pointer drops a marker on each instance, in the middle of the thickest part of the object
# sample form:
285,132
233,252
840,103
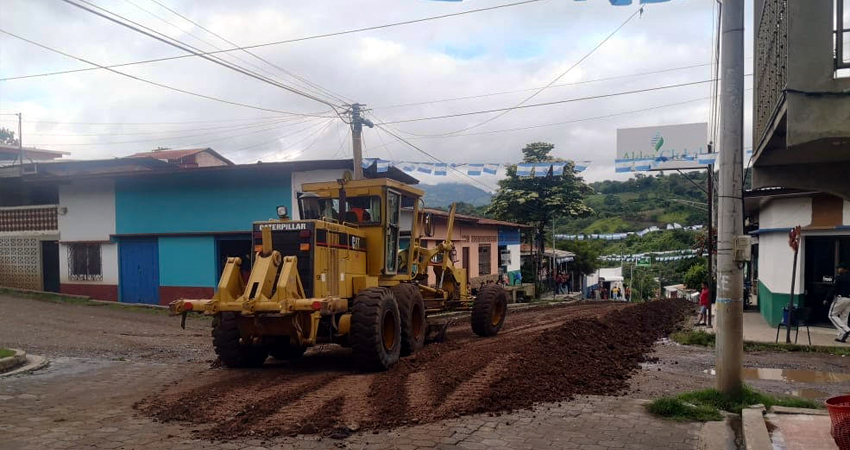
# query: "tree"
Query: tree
586,255
537,200
7,137
696,275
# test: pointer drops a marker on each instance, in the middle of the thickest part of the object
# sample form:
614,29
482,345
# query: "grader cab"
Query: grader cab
352,271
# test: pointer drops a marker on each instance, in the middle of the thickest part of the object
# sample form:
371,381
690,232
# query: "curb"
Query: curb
10,362
33,363
755,433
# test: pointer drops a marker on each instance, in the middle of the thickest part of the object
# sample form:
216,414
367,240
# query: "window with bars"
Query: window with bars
484,259
84,262
842,36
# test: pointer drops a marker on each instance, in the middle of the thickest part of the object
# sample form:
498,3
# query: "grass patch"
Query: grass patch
706,405
5,353
703,339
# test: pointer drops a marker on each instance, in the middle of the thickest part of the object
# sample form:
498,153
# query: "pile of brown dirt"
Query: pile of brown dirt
541,355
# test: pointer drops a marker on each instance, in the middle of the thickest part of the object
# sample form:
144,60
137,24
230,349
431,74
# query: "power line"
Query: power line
316,133
535,105
314,126
158,123
136,141
139,28
289,41
413,146
293,75
492,94
555,80
154,83
142,133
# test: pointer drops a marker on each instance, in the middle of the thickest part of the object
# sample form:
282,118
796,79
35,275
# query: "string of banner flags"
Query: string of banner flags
670,255
476,169
624,236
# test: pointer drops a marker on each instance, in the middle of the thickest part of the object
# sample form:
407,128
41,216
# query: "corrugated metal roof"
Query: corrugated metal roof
478,220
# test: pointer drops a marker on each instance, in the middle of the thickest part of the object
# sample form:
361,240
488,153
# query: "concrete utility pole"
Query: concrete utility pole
730,311
709,244
357,122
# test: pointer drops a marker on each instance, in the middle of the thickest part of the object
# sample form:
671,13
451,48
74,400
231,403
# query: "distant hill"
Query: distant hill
443,194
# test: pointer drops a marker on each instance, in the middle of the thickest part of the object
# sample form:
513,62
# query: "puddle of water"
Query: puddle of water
792,375
813,394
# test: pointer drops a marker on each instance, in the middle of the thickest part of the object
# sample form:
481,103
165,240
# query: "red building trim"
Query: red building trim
168,294
95,291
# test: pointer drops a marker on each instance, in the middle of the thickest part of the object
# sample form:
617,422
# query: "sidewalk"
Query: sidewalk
756,329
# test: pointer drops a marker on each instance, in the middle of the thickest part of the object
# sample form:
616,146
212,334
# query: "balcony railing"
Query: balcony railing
771,63
21,219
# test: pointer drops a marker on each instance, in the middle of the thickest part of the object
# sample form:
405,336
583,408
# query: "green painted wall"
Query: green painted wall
771,304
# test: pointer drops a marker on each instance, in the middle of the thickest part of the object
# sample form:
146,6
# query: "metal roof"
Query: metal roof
172,155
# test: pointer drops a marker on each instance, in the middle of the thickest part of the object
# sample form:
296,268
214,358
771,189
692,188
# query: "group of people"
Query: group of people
615,293
562,283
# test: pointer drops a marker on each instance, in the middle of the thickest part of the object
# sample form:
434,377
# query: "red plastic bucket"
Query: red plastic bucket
839,414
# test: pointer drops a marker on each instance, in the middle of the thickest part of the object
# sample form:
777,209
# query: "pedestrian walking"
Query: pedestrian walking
628,293
839,295
704,304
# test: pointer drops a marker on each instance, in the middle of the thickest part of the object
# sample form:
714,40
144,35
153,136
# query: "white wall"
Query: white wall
90,216
108,262
310,176
90,212
786,212
515,263
775,257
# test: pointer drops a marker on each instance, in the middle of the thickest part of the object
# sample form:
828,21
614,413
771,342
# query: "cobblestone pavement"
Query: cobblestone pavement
79,403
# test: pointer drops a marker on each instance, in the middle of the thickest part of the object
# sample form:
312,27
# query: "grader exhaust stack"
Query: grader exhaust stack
352,272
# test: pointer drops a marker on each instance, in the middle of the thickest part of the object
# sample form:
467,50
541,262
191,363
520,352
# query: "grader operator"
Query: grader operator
351,272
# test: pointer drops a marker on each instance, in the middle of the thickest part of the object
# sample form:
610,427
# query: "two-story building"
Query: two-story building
801,150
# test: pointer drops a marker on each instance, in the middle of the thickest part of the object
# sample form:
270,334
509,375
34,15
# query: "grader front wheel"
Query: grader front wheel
489,310
227,344
375,329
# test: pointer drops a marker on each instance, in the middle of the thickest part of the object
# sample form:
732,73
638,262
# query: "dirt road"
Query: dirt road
69,330
542,354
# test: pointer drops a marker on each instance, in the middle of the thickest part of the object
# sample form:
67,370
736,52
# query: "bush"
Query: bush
696,275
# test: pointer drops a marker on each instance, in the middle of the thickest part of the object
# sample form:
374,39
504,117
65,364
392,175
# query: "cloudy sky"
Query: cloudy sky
496,56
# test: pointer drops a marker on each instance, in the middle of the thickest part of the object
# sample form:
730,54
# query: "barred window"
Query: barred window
484,259
84,262
842,37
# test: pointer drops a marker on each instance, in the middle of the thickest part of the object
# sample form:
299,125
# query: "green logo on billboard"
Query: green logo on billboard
657,141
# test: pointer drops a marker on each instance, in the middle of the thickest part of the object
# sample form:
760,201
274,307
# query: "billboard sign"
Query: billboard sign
662,147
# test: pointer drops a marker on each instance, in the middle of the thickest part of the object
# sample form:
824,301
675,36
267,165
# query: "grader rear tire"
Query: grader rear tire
226,342
411,307
375,329
489,310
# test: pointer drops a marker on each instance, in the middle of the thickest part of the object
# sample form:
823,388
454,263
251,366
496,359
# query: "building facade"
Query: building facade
484,247
825,221
801,107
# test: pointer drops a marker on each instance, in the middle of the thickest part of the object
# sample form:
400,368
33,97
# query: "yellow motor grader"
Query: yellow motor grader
352,271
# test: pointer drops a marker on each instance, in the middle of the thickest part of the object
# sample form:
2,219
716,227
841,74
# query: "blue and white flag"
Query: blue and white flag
643,164
425,168
440,169
707,158
558,169
367,162
524,170
491,168
629,2
382,166
474,170
541,170
408,167
624,165
580,166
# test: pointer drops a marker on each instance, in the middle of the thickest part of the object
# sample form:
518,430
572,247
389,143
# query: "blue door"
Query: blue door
139,271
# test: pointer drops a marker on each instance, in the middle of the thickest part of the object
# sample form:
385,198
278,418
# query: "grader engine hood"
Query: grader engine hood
292,239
